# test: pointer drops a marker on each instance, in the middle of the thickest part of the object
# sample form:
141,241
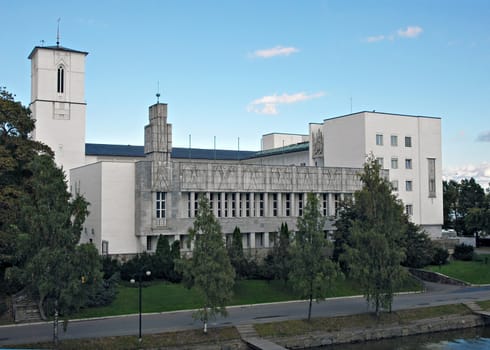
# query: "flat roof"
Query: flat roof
55,48
384,113
108,150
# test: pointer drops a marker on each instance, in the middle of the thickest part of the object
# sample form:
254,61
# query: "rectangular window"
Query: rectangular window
240,204
211,202
337,200
247,204
259,239
105,247
394,163
287,198
218,203
380,161
233,204
274,204
408,141
148,243
160,204
261,204
408,164
431,163
325,204
227,198
394,140
300,204
196,202
379,139
272,239
394,185
408,186
189,205
409,209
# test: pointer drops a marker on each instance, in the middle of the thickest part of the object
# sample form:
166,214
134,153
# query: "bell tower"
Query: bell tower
58,102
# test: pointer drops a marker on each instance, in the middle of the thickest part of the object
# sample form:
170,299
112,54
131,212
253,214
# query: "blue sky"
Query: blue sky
241,69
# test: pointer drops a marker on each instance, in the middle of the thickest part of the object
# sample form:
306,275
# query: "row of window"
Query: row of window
408,185
394,162
393,140
250,204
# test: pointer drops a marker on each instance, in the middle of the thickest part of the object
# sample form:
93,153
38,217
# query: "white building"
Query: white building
137,193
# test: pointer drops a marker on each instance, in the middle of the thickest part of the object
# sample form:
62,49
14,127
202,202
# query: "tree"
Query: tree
376,231
163,263
471,195
16,151
312,271
450,202
209,270
235,252
418,247
281,255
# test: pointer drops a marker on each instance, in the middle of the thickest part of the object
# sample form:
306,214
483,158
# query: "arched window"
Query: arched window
61,80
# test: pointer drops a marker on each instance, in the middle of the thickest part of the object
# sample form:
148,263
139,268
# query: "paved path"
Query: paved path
172,321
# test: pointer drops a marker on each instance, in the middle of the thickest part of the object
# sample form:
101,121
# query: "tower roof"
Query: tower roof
55,48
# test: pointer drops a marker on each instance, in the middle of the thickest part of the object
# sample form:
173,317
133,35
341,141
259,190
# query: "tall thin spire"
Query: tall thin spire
158,92
58,33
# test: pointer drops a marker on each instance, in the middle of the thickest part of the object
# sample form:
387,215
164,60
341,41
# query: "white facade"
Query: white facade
277,140
58,102
406,145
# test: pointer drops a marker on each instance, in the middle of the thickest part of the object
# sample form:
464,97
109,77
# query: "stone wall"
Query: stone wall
436,277
353,335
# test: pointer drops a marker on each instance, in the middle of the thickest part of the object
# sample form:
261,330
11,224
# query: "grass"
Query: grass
366,320
151,341
485,305
474,272
177,297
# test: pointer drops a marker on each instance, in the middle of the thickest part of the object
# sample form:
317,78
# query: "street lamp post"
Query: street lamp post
147,273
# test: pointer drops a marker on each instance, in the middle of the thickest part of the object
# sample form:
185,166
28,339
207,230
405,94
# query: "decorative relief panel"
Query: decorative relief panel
307,179
254,178
317,141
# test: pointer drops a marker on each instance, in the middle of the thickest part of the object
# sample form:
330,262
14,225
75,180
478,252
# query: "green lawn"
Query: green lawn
162,296
475,272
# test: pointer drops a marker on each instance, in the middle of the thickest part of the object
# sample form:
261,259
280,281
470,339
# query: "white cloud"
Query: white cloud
410,32
268,104
480,172
484,136
275,51
374,39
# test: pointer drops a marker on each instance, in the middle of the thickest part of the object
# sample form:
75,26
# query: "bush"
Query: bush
110,266
440,256
463,252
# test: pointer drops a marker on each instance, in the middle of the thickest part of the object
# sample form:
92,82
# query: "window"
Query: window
379,139
300,204
394,163
233,204
380,161
287,197
394,140
160,204
105,247
408,186
247,204
408,141
218,203
408,163
227,198
274,204
60,88
431,165
409,209
394,185
261,204
325,204
259,239
189,205
196,203
337,199
148,243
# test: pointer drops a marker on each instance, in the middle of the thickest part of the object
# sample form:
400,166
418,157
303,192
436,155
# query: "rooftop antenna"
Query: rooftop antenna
158,92
58,34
